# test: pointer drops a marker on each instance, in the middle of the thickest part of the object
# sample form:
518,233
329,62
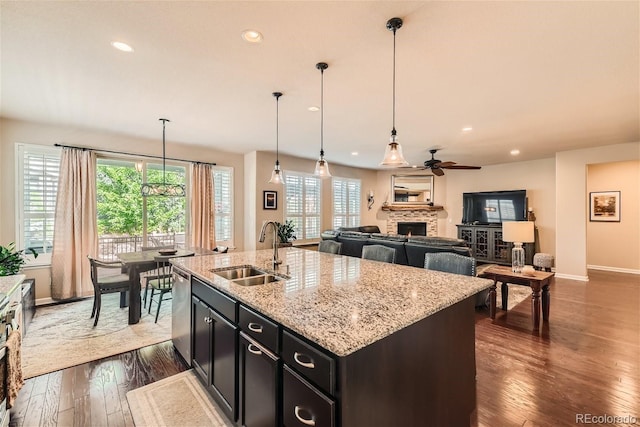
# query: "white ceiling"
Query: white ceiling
537,76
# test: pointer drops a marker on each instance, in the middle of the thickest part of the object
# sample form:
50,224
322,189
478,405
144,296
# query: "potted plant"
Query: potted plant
286,232
12,260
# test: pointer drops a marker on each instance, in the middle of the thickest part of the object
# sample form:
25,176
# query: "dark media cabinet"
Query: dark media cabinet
486,244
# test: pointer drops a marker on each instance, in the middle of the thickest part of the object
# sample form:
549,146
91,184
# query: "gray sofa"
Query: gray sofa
409,251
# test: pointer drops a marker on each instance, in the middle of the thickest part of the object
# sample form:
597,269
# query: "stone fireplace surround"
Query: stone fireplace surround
413,215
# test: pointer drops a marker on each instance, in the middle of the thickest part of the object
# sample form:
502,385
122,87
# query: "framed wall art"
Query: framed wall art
270,199
604,206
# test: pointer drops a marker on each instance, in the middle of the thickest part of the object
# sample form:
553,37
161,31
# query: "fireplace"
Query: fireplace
412,228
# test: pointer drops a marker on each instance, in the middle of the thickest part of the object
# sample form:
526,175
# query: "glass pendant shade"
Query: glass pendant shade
163,188
393,154
277,176
322,168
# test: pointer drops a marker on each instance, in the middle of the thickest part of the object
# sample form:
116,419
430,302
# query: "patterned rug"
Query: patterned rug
156,404
517,294
62,335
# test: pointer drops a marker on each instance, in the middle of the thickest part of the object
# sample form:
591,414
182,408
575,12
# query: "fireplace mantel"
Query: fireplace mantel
408,207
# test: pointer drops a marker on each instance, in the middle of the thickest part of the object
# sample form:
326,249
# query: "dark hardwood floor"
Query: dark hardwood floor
586,360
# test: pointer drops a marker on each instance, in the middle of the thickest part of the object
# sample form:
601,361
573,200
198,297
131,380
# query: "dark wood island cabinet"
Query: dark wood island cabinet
340,341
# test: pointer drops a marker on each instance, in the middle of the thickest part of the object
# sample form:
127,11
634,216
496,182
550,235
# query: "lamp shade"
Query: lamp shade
518,231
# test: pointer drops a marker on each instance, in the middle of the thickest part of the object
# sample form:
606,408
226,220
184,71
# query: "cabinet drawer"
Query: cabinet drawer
303,405
259,328
215,299
315,365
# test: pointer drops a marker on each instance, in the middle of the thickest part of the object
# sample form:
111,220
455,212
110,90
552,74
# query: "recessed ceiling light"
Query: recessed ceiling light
515,152
122,46
252,36
467,129
354,153
414,166
313,108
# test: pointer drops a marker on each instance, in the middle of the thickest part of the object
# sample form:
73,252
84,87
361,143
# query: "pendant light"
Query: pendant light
277,176
393,154
322,167
162,188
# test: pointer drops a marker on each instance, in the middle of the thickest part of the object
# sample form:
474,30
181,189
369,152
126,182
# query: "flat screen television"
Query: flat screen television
493,207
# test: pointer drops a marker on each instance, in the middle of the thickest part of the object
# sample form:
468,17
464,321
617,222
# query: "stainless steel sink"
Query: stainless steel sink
233,273
247,275
257,280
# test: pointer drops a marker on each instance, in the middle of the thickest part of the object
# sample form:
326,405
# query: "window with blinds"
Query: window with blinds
302,204
346,202
223,199
37,186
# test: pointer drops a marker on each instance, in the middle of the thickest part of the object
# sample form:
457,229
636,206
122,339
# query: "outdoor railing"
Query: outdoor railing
109,246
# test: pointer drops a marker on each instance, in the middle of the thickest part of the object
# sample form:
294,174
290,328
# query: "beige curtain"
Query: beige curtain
75,235
202,211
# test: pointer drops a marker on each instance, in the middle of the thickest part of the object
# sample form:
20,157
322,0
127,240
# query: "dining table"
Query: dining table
140,261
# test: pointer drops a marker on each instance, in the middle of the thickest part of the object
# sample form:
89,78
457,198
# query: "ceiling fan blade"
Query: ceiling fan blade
438,172
461,167
446,164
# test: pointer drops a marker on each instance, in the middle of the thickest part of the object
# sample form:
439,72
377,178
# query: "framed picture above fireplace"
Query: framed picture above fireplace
412,189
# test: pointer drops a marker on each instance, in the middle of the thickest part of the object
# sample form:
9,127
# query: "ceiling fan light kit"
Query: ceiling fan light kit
393,153
322,166
163,188
277,176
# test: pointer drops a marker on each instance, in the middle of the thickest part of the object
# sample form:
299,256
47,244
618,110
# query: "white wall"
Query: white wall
572,203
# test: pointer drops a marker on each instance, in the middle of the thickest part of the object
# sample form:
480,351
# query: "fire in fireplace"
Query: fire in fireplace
412,228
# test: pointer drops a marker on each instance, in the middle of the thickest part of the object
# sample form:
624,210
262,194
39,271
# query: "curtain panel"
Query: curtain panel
202,219
75,234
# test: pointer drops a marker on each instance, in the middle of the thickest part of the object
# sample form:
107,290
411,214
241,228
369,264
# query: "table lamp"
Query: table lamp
517,232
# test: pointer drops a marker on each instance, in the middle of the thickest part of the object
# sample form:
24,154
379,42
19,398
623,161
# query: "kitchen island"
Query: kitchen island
351,342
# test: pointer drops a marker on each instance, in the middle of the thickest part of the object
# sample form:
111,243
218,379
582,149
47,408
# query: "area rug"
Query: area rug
179,400
517,294
63,335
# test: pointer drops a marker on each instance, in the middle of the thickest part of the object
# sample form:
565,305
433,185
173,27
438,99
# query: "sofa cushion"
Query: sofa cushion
437,241
394,237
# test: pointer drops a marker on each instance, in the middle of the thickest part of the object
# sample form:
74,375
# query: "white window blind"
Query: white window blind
37,186
223,199
346,202
302,204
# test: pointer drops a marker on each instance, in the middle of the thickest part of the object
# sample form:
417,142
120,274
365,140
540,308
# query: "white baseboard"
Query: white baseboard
44,301
614,269
572,277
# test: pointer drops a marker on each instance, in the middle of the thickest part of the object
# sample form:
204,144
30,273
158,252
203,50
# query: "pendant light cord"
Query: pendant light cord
394,82
277,129
164,181
321,112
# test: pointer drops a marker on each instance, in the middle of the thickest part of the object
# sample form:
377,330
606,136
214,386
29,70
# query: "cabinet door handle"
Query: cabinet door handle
255,327
296,357
208,319
304,421
253,349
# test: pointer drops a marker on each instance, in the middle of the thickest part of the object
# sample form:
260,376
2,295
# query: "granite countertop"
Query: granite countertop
341,303
8,284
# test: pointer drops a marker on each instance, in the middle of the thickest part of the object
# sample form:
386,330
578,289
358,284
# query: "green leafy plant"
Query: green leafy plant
286,231
12,260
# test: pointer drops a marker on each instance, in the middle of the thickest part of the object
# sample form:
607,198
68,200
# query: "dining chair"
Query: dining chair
145,276
330,246
379,253
106,283
161,280
449,262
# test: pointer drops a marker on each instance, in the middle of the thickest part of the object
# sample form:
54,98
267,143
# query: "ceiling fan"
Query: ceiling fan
436,165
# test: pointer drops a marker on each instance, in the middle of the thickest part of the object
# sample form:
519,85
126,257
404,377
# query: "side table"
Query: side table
538,281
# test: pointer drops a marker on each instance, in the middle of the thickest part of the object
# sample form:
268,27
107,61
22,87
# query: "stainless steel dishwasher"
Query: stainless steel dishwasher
181,313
